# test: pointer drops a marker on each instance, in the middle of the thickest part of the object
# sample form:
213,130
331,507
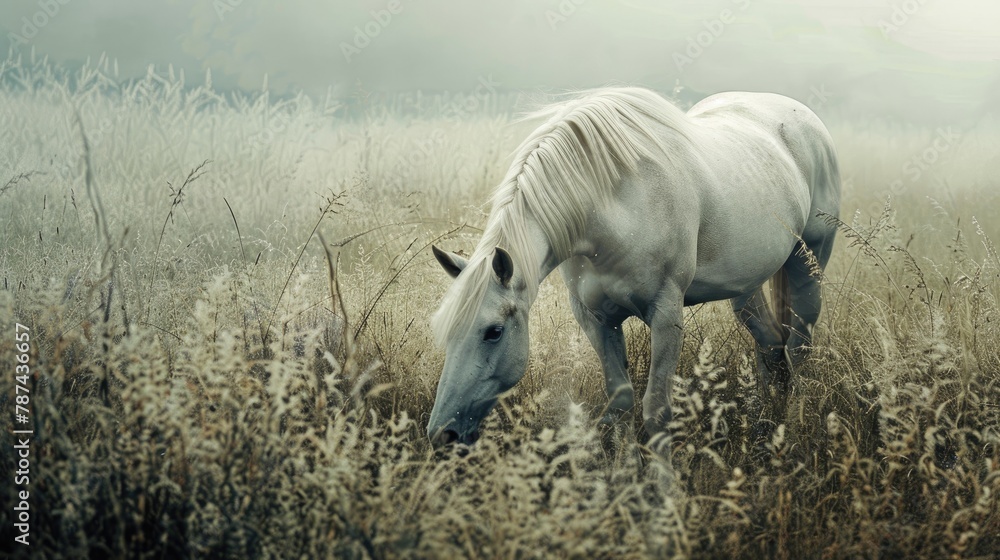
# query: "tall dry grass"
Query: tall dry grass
211,382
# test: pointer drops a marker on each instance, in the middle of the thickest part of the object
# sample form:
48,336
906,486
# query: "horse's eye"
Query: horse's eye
493,333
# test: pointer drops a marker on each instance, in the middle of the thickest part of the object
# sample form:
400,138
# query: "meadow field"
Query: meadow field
228,297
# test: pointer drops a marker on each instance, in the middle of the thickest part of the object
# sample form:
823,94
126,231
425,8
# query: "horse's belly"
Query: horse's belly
704,290
738,268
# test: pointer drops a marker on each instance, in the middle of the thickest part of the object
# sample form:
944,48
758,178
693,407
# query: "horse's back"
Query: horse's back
794,126
772,169
744,182
766,110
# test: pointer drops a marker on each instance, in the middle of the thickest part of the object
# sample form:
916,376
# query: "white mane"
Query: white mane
569,165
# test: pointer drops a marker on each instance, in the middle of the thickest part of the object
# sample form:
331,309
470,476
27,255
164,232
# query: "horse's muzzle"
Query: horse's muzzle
447,437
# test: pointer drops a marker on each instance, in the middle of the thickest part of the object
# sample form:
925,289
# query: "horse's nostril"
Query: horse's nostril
445,437
471,438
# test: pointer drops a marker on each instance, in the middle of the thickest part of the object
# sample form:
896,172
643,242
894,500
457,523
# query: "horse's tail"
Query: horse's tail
781,301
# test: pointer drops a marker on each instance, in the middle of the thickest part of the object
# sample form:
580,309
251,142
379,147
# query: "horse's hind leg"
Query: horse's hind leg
772,362
752,310
803,268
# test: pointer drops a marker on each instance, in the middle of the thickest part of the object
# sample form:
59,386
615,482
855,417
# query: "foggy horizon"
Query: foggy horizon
916,60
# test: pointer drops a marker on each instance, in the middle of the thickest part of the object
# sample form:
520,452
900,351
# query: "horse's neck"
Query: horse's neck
545,259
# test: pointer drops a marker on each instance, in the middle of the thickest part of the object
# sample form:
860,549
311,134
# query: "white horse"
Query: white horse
644,209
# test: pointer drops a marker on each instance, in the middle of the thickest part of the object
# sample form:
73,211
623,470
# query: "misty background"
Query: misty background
926,61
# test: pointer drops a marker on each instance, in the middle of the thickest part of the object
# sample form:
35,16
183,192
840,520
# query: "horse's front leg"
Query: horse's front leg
604,330
666,325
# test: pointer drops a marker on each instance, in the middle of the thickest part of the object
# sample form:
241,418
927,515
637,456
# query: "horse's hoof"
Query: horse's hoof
760,440
762,431
611,419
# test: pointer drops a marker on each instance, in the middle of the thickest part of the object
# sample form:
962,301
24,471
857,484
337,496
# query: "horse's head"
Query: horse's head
485,357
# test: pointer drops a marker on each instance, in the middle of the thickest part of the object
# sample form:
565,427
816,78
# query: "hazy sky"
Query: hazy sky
879,56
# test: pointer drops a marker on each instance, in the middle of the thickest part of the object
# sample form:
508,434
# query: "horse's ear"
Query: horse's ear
450,262
503,266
